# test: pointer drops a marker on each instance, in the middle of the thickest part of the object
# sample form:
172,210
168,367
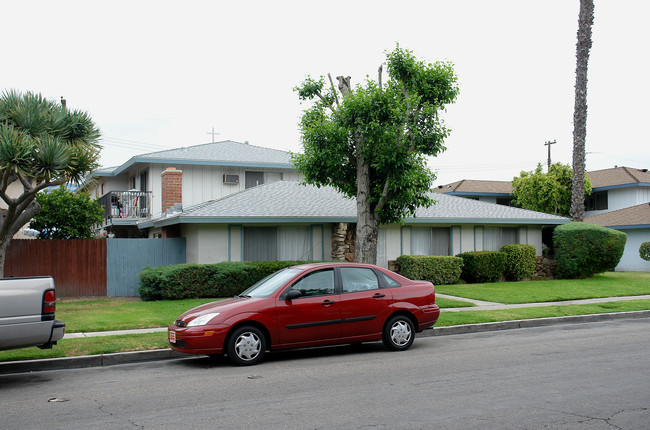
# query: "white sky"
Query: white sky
160,74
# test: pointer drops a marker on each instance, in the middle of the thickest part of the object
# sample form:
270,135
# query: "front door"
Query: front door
315,315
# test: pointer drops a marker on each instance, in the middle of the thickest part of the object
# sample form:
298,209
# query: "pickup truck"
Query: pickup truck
27,308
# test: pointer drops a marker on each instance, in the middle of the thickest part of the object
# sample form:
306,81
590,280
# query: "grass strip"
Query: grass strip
498,315
91,346
611,284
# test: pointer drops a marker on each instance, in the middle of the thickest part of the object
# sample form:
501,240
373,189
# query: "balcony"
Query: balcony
126,206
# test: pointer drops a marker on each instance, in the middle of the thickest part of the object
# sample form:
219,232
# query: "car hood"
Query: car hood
222,306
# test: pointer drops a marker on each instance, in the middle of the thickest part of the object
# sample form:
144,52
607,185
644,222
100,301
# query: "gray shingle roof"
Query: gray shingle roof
226,153
290,201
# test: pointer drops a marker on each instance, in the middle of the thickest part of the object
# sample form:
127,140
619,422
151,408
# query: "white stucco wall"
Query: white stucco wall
631,261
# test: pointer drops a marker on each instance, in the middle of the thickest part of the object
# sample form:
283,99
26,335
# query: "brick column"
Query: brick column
171,188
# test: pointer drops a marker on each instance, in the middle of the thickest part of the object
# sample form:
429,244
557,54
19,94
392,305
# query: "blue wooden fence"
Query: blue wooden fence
126,257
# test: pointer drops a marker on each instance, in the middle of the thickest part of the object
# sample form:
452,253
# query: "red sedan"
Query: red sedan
306,306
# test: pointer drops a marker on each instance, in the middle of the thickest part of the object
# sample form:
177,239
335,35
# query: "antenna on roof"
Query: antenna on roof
212,133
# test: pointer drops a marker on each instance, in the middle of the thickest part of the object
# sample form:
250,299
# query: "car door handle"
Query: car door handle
378,296
328,302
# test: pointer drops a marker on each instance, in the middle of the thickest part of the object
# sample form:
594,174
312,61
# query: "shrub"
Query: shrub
644,251
520,261
583,249
189,281
439,270
483,266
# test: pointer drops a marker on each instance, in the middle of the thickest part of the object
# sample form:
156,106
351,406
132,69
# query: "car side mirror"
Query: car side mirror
293,294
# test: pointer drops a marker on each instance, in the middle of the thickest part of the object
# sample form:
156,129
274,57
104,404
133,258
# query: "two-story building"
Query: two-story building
133,191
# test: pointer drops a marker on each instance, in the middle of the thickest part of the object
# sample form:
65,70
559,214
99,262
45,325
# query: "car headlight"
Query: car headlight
202,320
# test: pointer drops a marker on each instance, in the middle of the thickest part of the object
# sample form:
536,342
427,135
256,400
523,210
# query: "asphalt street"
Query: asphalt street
573,376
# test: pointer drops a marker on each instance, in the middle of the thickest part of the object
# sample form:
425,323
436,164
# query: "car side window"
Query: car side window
390,281
358,279
319,283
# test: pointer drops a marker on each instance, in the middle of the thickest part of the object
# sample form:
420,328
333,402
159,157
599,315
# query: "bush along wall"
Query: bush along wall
644,251
583,249
439,270
520,261
191,281
483,266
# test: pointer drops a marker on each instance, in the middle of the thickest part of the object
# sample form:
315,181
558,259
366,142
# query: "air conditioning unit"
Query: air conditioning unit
231,179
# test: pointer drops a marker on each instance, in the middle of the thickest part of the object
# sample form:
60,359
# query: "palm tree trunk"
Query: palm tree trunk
585,22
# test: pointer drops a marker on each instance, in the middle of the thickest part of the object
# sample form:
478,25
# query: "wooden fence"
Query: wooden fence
78,266
93,267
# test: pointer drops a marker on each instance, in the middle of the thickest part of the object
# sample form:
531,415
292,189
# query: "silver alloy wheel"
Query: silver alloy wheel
248,346
400,333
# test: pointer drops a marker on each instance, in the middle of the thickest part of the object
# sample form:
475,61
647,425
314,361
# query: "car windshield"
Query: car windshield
270,284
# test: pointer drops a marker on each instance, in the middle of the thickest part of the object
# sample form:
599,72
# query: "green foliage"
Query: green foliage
439,270
546,192
483,266
583,250
191,281
42,144
67,215
520,261
393,127
644,251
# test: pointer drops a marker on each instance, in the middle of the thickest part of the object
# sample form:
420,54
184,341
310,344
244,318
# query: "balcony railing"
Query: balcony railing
126,204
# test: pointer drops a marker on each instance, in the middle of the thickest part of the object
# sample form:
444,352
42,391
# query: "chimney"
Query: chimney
63,103
172,188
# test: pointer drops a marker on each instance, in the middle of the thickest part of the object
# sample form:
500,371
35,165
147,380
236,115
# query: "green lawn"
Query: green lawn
105,314
449,303
611,284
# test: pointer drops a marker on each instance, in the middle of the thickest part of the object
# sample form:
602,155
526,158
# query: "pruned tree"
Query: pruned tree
42,144
370,141
546,192
585,21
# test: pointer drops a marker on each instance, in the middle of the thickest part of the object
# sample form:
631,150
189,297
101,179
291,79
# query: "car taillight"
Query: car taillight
49,305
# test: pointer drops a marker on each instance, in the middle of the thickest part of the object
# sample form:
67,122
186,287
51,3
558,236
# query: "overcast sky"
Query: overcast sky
161,74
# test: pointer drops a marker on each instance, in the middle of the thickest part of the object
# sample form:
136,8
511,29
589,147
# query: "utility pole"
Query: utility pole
212,133
549,143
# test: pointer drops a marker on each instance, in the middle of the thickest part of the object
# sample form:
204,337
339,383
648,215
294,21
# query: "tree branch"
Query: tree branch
336,98
383,198
381,68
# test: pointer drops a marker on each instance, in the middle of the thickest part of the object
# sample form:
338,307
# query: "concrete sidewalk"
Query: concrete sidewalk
481,305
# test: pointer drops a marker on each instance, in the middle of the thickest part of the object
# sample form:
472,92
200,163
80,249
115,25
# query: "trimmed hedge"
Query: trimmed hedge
439,270
192,281
583,249
644,251
483,266
520,261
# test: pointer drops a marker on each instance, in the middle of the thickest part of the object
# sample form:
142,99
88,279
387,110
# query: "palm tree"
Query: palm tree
585,21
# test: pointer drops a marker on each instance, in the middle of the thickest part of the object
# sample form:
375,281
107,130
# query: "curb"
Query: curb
103,360
100,360
528,323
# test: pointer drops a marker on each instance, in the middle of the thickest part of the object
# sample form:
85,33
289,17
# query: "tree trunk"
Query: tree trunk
585,22
367,222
